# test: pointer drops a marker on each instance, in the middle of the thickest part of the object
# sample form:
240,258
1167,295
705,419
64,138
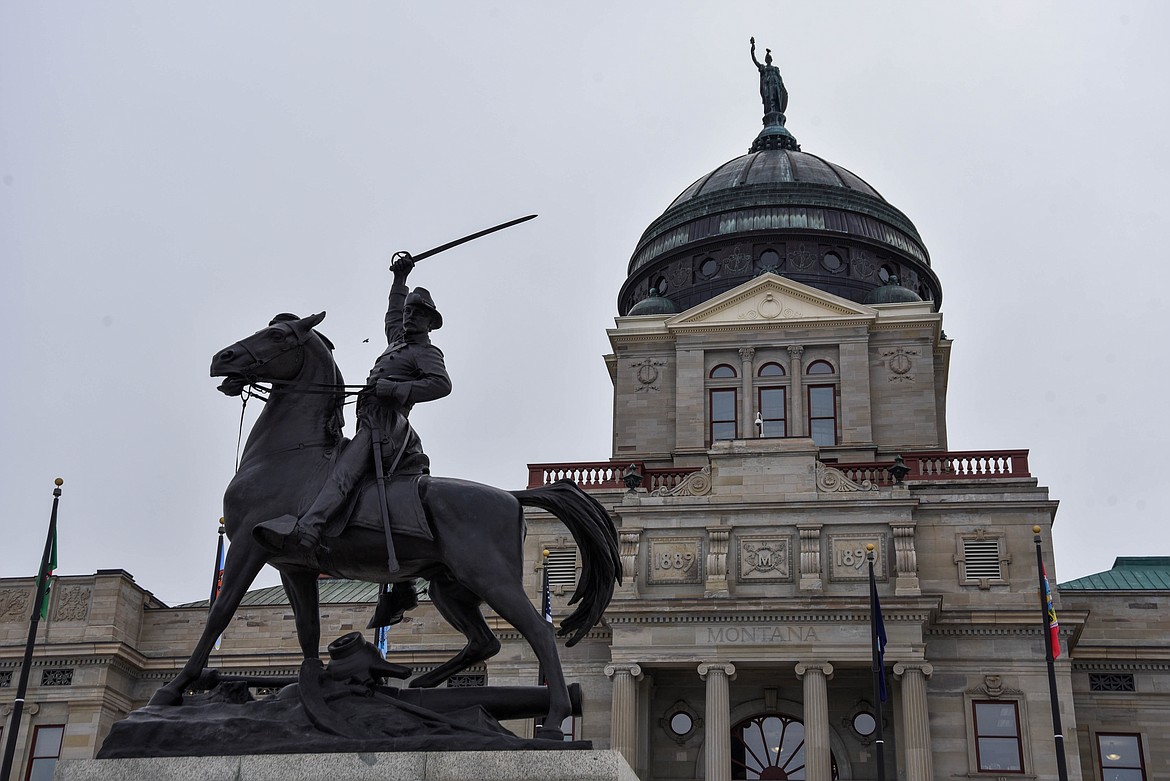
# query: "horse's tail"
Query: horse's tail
597,540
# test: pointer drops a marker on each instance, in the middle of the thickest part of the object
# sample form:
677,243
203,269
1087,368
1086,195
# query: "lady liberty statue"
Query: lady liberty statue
772,89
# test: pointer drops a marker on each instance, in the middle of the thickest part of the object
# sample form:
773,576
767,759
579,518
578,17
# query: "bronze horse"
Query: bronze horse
476,555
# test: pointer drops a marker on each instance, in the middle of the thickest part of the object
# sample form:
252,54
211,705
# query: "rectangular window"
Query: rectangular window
998,747
46,748
773,412
822,414
1120,757
723,419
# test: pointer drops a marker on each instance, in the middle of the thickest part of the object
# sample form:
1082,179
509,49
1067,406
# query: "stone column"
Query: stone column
717,719
816,718
915,738
796,426
747,403
623,727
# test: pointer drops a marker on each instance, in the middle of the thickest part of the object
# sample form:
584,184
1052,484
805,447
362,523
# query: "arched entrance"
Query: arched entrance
770,746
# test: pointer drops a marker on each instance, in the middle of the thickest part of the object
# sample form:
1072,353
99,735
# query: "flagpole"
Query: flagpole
22,687
1045,596
876,667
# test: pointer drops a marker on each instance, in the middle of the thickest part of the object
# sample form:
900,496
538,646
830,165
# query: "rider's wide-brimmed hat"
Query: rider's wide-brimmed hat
420,296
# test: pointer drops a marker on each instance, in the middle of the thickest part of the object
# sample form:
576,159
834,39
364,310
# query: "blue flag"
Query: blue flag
880,625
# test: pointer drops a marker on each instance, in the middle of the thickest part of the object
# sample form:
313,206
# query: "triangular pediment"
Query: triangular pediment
770,300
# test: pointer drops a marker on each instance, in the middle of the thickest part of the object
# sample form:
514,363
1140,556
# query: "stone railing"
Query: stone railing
925,465
944,465
605,475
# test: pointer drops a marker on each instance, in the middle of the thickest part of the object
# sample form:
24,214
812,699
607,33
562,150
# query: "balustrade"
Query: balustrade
924,465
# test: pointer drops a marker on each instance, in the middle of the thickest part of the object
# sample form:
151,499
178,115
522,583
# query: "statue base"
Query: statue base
550,765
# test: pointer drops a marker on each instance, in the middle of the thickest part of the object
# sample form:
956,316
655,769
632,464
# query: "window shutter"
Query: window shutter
982,559
562,566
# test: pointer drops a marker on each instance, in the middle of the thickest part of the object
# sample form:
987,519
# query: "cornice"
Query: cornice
1115,665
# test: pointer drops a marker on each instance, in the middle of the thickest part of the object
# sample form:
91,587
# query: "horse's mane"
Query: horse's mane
336,422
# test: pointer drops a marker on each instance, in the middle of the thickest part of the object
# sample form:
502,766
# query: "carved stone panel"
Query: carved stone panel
14,605
674,560
765,559
847,556
72,604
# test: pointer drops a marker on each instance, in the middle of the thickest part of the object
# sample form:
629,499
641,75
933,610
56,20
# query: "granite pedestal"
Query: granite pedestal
405,766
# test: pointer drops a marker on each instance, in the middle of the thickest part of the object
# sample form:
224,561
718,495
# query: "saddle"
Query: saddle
404,502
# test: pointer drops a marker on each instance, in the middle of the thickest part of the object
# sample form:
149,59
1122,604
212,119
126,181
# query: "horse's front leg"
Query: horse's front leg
301,587
244,560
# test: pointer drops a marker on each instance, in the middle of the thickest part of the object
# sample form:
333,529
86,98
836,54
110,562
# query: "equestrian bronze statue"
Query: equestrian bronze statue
387,522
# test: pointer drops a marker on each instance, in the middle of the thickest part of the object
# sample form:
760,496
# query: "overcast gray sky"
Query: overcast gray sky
173,174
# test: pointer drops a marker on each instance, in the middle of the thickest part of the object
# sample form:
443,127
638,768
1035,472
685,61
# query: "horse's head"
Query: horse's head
272,354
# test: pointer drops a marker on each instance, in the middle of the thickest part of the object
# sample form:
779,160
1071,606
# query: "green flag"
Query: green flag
48,576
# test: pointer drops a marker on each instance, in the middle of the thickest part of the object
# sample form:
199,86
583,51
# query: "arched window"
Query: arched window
772,400
722,404
822,404
770,746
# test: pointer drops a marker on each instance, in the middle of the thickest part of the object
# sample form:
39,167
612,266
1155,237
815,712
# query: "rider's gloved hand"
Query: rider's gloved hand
402,264
386,390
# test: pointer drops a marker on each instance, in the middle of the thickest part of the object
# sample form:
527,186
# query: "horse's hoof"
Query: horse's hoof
165,697
549,733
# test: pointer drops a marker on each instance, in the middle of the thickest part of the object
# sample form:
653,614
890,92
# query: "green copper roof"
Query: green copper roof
1129,573
332,591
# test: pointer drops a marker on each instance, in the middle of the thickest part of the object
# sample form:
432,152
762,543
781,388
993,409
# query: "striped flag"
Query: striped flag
217,576
1053,624
546,599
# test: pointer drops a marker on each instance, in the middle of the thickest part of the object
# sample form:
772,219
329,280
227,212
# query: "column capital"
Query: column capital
901,668
727,668
746,353
795,350
632,669
803,667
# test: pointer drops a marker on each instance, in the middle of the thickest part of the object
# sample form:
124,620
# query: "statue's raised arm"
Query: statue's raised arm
757,62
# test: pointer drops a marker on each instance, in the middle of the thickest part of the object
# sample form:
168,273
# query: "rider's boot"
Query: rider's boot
304,536
393,605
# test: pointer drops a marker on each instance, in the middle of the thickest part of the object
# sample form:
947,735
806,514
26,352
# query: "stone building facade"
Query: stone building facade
780,383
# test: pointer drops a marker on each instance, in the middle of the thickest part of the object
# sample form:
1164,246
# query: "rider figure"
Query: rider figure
410,370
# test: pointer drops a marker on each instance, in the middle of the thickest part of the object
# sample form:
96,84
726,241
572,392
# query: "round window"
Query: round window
864,724
832,261
662,285
884,274
708,267
681,723
770,260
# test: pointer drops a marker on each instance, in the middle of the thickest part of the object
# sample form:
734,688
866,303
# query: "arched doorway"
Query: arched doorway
770,746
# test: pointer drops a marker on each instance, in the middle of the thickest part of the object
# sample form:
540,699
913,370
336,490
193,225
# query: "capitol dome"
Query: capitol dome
782,210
